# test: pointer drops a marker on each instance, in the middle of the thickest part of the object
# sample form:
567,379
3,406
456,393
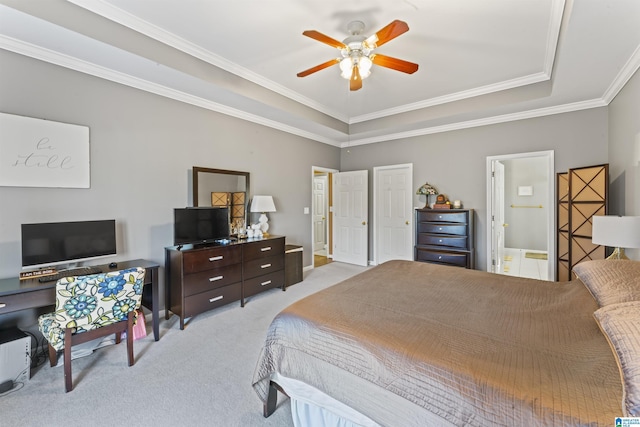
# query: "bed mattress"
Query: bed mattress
415,344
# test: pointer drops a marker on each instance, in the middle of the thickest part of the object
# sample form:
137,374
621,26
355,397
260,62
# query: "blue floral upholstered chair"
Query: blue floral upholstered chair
90,307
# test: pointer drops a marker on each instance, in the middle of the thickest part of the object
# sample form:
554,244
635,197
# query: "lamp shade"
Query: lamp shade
427,189
262,204
616,231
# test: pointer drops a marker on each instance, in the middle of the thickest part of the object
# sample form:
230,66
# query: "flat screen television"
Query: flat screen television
53,243
200,225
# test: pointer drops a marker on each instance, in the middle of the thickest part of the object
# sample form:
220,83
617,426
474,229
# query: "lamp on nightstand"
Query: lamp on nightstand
263,204
618,232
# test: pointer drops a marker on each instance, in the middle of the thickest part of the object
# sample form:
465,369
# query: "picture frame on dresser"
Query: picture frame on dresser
445,237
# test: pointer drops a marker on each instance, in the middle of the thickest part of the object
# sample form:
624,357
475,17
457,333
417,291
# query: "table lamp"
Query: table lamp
618,232
263,204
427,189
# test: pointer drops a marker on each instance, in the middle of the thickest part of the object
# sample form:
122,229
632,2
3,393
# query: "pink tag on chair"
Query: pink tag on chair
140,327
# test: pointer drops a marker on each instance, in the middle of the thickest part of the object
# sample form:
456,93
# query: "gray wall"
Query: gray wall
142,149
624,152
455,162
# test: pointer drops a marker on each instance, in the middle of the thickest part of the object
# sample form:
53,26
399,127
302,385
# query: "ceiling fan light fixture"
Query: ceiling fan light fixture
357,52
364,67
364,64
345,67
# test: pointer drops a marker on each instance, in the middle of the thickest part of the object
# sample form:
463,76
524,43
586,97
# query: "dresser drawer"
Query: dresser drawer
206,259
443,240
204,301
258,267
262,283
449,258
263,248
433,216
211,279
441,228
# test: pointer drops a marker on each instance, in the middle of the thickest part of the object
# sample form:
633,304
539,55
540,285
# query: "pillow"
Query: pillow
620,323
610,281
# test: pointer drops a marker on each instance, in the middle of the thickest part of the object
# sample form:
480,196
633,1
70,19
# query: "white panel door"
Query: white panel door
351,219
319,212
498,223
394,213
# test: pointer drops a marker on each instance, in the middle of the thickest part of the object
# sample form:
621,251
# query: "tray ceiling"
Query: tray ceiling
481,62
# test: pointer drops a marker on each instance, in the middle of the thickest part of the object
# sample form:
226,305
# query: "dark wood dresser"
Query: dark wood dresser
203,277
445,236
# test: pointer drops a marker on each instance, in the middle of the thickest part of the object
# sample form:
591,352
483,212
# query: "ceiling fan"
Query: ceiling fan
357,52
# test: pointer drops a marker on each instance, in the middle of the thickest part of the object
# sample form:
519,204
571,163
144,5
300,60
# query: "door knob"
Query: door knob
407,222
505,225
364,222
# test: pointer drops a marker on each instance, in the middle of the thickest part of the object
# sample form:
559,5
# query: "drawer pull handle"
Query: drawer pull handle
2,305
265,266
216,258
440,229
268,282
440,257
439,240
268,248
213,279
218,298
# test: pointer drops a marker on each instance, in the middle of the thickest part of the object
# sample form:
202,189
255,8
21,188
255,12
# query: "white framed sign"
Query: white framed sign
525,190
42,153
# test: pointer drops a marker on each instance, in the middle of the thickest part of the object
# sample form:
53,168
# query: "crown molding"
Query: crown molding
66,61
47,55
553,35
124,18
626,72
73,63
458,96
529,114
128,20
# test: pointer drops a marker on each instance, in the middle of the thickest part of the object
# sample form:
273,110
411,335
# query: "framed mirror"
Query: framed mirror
220,187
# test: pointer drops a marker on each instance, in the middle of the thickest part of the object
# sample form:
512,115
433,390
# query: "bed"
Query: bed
415,344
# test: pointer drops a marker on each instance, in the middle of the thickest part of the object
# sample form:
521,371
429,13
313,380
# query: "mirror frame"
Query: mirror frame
197,169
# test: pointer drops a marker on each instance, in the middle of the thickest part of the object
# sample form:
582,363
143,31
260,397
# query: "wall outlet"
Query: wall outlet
306,210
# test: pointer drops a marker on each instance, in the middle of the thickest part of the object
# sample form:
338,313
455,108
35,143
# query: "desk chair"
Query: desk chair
90,307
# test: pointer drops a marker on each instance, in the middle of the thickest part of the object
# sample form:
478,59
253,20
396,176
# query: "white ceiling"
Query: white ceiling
481,61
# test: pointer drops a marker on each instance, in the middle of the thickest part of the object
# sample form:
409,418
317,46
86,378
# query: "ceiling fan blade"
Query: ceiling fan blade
324,39
318,67
390,32
394,63
355,82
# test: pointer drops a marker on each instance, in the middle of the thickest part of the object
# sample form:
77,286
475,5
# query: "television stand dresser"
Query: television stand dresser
206,276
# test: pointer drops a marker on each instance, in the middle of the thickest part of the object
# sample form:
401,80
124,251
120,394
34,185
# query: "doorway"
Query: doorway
321,218
521,215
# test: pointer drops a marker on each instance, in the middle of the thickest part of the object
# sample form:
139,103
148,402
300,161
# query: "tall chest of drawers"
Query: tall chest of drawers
204,277
445,236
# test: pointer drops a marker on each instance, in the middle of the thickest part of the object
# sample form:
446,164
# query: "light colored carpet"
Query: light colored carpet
196,377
